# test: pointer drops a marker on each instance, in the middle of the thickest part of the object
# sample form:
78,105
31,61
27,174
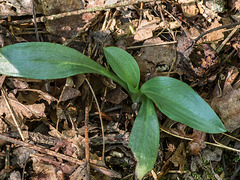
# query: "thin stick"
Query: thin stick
86,138
105,20
209,143
81,11
35,22
216,29
227,39
231,136
177,22
164,21
12,113
42,150
101,169
150,45
100,117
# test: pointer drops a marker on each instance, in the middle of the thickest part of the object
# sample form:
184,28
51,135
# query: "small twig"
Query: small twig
173,63
7,157
224,166
177,172
35,22
154,175
42,150
111,20
231,137
2,79
12,113
164,21
227,39
2,36
150,45
235,173
105,20
209,143
60,156
215,29
78,12
178,22
100,116
229,55
87,139
215,174
140,14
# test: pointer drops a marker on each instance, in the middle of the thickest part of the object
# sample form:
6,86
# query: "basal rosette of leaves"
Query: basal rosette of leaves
42,60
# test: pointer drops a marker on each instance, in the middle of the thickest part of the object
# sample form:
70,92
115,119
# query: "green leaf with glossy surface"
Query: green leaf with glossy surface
144,138
181,103
42,60
124,65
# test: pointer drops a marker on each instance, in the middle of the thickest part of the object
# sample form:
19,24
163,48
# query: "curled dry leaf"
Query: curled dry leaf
198,142
34,95
21,110
189,7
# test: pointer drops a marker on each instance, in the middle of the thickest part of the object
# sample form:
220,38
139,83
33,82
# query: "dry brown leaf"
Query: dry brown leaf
45,171
155,56
198,142
15,8
116,96
21,110
189,7
18,83
69,93
67,26
145,31
227,104
32,95
179,157
38,110
216,35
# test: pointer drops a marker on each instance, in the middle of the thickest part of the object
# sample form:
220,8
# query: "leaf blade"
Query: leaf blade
181,103
43,60
124,65
144,138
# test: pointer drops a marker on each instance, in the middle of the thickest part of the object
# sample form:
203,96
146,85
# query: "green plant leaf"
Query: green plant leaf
144,138
42,60
124,65
181,103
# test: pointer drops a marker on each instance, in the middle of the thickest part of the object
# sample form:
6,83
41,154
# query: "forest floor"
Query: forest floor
193,41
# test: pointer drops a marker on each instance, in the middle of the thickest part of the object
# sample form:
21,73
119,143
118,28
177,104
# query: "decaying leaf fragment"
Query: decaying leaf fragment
227,104
179,157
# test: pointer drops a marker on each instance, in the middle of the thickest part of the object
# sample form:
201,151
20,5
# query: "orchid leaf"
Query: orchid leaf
124,65
144,138
181,103
43,60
